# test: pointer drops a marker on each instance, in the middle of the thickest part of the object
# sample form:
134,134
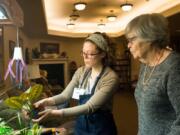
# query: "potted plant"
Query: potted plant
25,102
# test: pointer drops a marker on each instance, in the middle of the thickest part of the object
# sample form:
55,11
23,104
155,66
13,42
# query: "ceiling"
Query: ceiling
44,17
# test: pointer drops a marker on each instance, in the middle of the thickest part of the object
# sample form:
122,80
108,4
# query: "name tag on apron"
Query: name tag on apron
77,92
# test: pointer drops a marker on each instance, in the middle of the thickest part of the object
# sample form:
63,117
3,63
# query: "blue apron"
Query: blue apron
98,123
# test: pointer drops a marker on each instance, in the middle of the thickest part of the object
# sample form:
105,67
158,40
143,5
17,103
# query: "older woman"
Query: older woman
158,89
93,85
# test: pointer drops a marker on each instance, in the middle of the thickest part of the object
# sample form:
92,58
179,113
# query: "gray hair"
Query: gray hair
151,28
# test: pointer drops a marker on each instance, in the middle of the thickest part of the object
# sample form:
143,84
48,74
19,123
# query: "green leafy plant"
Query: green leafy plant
35,130
4,128
25,102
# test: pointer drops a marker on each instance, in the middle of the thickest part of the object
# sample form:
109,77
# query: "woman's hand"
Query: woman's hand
25,114
47,114
43,103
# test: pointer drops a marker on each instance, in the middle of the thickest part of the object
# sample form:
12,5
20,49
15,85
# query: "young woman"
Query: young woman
93,85
158,89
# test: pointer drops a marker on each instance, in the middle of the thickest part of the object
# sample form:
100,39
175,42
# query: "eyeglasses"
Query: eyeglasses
90,56
131,39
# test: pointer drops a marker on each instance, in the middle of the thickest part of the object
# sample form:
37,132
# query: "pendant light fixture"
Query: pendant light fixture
17,49
101,25
80,5
21,69
126,6
74,16
71,24
111,17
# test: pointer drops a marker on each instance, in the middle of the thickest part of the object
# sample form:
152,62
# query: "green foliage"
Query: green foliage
14,102
4,128
35,130
35,92
25,101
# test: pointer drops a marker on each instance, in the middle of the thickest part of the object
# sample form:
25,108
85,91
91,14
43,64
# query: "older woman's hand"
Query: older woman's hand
48,113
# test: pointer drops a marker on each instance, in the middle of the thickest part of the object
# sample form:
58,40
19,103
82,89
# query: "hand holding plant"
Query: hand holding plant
25,100
43,103
24,103
48,113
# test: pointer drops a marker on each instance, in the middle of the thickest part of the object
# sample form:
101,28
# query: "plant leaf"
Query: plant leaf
35,91
14,102
24,97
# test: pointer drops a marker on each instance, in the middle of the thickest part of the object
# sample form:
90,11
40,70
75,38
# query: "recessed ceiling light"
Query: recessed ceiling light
101,25
74,16
70,25
126,6
111,17
80,5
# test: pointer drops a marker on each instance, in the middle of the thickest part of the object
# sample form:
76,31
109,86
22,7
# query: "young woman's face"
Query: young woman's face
138,48
92,56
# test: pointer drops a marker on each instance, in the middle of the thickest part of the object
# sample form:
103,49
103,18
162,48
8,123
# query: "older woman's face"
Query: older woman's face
92,56
138,48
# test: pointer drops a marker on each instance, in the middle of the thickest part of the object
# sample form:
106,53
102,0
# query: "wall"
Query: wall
121,46
135,65
72,46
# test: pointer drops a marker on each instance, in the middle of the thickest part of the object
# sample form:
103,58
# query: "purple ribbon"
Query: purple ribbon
20,67
9,70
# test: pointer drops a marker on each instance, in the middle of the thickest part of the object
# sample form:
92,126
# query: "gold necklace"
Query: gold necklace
145,82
